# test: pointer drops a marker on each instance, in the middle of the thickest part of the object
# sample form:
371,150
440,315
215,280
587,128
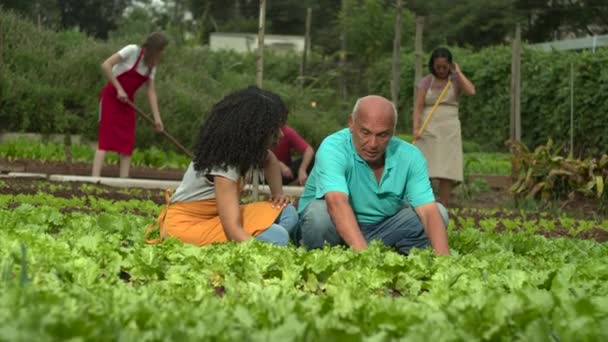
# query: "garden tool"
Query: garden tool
164,132
428,117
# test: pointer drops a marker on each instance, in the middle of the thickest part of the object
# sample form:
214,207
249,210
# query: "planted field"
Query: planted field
74,266
55,153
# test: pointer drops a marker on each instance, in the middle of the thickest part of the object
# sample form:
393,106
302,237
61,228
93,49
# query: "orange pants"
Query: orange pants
199,223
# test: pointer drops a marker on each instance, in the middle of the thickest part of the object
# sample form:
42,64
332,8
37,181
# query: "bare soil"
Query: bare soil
84,169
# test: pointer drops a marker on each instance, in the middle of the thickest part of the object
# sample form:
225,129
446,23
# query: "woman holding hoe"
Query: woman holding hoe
435,119
127,70
235,139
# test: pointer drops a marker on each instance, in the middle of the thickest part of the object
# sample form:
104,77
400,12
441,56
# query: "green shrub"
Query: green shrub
545,174
50,82
55,80
545,99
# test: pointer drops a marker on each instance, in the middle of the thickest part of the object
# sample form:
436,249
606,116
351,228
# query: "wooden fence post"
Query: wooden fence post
306,46
515,122
515,115
342,63
259,83
418,53
397,54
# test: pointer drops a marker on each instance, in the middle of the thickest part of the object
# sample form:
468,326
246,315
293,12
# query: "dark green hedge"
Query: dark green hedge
545,97
50,81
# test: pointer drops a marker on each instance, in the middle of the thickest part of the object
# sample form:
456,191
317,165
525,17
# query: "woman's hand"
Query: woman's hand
416,134
158,126
285,170
121,95
467,87
302,177
280,201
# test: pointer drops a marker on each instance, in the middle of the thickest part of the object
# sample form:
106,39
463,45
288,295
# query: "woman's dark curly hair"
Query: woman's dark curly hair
439,52
239,130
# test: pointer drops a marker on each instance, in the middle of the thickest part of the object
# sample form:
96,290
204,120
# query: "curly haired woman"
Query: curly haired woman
234,139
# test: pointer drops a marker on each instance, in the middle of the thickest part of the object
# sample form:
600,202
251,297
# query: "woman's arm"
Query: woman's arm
468,89
154,105
227,198
272,172
306,160
106,67
418,109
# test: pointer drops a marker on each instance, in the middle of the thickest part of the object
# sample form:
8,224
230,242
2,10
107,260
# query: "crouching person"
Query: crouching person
236,137
367,185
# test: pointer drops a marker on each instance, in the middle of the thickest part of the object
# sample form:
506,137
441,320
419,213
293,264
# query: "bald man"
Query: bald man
367,184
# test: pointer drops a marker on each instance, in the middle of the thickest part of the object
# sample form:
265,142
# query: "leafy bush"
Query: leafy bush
51,82
487,163
545,105
78,269
54,151
545,174
55,81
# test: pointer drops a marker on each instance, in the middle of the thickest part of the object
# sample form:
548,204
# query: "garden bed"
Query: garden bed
489,211
75,266
84,169
140,172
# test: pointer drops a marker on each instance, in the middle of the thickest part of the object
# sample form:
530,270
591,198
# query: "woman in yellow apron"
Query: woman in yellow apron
440,141
234,139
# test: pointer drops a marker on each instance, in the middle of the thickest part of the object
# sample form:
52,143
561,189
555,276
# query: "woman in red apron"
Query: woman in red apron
127,70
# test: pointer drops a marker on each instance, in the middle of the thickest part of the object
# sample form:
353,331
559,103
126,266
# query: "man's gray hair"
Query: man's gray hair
356,110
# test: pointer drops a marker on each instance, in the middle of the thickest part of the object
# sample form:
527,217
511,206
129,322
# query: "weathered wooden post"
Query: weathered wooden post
306,45
343,91
259,82
397,54
515,123
418,54
572,109
515,115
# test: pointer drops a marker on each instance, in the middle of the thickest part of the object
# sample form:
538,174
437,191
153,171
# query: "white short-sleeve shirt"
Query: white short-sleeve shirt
129,55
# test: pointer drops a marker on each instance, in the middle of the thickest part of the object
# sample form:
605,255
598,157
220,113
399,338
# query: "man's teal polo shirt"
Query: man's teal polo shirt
338,167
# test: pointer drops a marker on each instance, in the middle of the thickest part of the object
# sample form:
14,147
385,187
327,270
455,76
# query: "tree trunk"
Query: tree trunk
306,46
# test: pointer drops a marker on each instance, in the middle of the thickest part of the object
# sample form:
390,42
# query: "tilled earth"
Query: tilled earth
28,186
476,211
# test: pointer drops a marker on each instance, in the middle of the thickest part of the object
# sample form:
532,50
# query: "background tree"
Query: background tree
283,17
483,23
556,19
95,17
465,23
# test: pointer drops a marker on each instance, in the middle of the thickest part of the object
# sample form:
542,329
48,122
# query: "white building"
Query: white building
592,43
248,42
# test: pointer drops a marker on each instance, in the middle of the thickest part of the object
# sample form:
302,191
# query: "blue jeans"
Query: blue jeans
285,225
402,231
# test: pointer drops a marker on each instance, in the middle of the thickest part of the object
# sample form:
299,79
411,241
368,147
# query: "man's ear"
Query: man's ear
351,122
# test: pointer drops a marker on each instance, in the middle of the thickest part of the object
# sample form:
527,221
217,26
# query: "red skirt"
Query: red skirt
116,123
